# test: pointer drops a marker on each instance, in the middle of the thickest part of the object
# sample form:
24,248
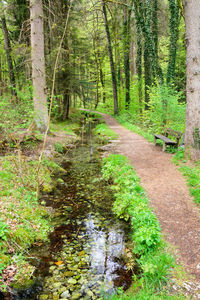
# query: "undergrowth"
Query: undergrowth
191,173
130,124
105,132
23,220
148,246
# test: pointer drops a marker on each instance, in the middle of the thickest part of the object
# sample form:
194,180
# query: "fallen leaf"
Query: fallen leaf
58,263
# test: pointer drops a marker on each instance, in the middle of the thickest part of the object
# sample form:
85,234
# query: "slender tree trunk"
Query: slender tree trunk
127,16
66,104
81,88
139,67
192,133
102,79
1,81
66,77
97,73
155,26
8,53
174,31
38,65
114,81
147,75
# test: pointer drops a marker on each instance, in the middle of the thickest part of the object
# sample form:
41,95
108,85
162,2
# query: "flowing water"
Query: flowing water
84,259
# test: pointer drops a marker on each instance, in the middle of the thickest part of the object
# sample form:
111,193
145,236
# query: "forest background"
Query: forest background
122,57
147,45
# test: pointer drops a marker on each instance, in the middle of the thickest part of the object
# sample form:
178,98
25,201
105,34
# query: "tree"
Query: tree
7,46
192,133
38,65
174,30
126,33
112,67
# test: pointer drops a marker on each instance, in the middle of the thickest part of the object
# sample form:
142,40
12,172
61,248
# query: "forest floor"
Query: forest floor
168,193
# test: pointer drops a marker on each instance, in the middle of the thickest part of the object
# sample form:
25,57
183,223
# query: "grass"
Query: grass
104,131
67,127
191,173
132,127
23,220
149,250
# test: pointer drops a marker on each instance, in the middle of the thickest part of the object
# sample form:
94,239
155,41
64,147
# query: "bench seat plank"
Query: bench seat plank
165,139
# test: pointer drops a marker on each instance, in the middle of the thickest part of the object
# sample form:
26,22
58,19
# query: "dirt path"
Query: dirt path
168,194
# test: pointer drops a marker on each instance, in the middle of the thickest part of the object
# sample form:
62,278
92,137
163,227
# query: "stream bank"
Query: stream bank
85,256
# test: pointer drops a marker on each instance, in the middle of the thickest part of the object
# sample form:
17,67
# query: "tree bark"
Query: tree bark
8,54
155,25
127,17
66,104
114,81
38,65
102,79
1,81
139,67
147,74
174,33
192,133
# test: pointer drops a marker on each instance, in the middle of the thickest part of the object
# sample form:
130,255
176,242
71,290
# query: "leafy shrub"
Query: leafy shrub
4,229
131,203
14,116
165,109
59,147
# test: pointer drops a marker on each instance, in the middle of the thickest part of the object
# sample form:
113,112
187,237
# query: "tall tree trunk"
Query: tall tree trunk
38,65
155,25
147,75
143,13
139,66
174,31
8,54
1,81
114,81
102,79
97,73
192,133
66,104
127,16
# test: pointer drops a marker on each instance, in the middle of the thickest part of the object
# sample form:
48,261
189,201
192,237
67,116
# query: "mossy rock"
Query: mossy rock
20,287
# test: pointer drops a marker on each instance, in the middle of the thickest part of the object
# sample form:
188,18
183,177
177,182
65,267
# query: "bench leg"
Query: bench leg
155,139
164,147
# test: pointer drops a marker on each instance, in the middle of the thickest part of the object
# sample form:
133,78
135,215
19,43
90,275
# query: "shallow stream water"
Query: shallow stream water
84,259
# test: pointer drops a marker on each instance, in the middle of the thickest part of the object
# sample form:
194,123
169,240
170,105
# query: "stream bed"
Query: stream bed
85,256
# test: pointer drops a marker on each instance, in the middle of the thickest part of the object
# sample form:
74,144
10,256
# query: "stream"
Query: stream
85,256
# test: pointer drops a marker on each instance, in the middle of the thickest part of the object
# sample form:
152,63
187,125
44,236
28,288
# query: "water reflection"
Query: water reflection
105,246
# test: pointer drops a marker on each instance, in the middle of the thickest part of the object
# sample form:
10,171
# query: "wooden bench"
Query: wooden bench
166,141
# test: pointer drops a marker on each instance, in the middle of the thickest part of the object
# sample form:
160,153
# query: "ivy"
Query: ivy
174,32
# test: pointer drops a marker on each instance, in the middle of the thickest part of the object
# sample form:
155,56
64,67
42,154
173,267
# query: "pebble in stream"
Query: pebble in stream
91,255
88,242
88,262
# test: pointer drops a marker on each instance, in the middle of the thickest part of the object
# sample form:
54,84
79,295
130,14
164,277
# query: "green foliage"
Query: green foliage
20,208
165,110
179,156
104,131
59,147
4,230
192,175
129,121
131,203
14,116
